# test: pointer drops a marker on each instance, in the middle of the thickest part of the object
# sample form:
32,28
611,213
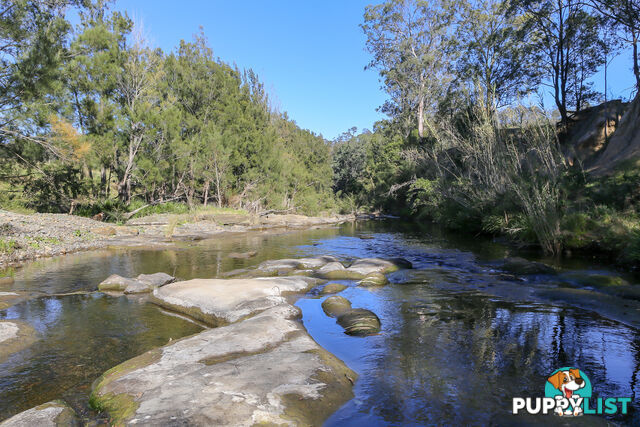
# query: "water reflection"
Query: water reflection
80,337
459,359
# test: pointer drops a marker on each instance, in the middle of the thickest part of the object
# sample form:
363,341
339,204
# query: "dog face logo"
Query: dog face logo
567,381
569,384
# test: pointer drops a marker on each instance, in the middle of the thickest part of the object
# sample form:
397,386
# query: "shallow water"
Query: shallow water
459,338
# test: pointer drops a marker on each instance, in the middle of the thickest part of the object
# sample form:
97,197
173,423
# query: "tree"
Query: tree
499,54
625,16
569,42
137,89
410,43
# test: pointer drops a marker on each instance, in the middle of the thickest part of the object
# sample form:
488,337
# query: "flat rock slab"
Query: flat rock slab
219,302
367,266
359,269
14,337
156,279
50,414
296,263
144,283
263,370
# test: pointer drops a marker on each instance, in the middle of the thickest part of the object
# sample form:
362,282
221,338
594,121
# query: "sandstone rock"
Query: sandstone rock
314,263
116,282
332,288
519,265
221,301
156,279
373,280
6,280
14,337
336,271
296,264
51,414
367,266
242,255
336,305
142,284
139,287
359,321
262,370
278,265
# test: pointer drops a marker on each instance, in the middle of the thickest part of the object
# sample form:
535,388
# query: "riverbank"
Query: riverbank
28,237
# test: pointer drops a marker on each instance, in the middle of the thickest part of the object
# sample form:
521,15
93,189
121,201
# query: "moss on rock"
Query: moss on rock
360,322
335,305
373,280
333,288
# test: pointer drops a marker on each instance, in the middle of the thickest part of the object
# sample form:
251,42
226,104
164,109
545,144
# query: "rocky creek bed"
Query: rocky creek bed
441,311
256,365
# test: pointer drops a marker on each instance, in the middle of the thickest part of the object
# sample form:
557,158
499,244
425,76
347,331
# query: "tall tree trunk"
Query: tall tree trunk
636,66
421,118
218,190
205,198
103,180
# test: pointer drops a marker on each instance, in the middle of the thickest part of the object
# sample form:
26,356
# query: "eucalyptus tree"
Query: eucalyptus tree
410,41
569,41
624,15
499,54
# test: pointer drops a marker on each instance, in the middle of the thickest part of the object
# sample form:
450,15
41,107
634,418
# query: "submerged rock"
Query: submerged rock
596,280
519,265
221,301
14,337
332,288
51,414
7,299
242,255
336,305
359,321
401,263
373,280
262,370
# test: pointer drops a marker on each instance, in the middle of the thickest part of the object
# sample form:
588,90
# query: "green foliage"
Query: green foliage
119,124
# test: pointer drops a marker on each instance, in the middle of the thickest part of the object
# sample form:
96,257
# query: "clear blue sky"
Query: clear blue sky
310,54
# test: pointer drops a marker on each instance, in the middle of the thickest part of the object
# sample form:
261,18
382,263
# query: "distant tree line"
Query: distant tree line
90,114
